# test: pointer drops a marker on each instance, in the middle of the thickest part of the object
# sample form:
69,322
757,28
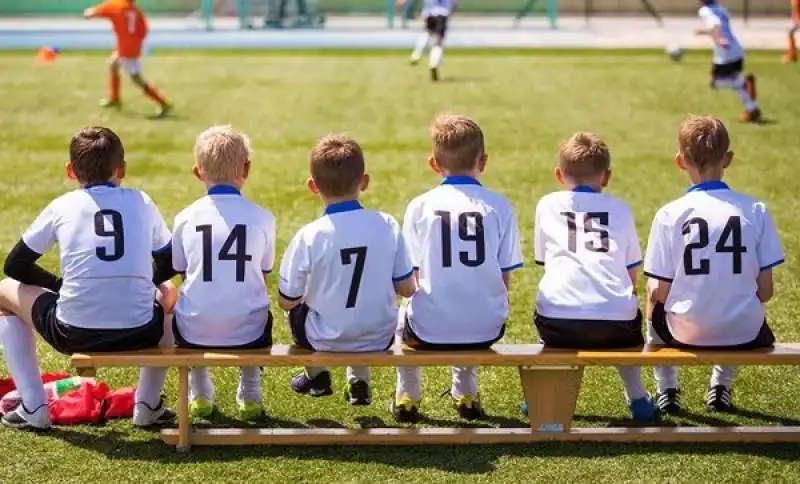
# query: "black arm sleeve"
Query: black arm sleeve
162,266
21,266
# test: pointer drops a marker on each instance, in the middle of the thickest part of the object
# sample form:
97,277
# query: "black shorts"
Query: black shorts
263,341
413,341
764,339
297,324
589,334
436,25
68,339
725,71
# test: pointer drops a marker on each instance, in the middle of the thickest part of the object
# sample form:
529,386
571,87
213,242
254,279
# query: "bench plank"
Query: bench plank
460,436
499,355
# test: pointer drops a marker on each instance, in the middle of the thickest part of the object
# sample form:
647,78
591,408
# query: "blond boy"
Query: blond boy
341,273
224,245
587,242
709,258
464,244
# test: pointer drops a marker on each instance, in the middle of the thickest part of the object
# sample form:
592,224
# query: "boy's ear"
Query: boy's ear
482,161
312,186
364,182
435,166
680,162
559,175
121,171
70,171
246,172
197,172
728,159
606,178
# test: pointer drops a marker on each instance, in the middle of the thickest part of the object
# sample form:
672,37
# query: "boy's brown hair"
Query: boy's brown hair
336,164
95,154
584,157
457,143
222,153
703,141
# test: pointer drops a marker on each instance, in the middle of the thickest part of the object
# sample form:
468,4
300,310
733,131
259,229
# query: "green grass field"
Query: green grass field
526,104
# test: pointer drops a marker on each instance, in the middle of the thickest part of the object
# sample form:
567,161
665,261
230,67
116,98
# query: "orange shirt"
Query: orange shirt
128,23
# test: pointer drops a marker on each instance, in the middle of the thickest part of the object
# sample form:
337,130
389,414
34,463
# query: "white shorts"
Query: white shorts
131,65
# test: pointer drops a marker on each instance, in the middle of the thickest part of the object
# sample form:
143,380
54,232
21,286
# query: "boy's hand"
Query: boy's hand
88,13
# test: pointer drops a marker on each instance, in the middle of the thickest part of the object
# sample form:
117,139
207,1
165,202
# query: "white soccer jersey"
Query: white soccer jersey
225,245
711,244
438,7
716,15
461,237
345,265
107,236
587,242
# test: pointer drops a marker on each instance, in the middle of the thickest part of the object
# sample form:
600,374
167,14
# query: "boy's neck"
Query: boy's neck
585,187
328,201
109,183
476,174
235,184
711,175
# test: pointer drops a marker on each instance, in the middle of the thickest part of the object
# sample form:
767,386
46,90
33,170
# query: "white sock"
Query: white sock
313,371
249,384
20,355
408,382
738,85
666,377
632,382
151,385
437,52
723,375
355,373
422,43
465,381
200,384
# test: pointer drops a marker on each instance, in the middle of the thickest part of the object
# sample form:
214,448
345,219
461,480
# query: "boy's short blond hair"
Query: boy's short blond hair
703,141
457,143
222,153
583,158
337,165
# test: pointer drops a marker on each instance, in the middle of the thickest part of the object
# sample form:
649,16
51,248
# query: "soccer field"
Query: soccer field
526,103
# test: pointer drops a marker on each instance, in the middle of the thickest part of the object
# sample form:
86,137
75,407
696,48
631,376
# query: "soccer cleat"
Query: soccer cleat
643,410
250,410
789,58
163,110
358,393
719,399
753,116
669,401
319,386
145,416
469,407
413,60
750,85
405,409
434,74
21,418
201,408
110,103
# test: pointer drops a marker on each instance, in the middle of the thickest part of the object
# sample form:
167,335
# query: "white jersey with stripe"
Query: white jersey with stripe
345,265
714,15
711,244
587,242
443,8
225,245
462,238
107,236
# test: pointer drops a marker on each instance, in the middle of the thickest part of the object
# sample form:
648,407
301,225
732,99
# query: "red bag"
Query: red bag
119,403
81,406
7,384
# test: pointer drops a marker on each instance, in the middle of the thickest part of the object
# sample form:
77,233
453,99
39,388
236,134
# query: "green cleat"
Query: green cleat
251,410
201,408
163,110
110,103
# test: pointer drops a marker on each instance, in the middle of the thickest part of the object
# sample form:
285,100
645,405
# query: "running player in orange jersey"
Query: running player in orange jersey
791,55
130,29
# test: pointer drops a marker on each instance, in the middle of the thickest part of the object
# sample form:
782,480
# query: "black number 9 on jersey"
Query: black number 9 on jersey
117,232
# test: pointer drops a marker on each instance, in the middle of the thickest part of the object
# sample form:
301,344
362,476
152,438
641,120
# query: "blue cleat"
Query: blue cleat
643,410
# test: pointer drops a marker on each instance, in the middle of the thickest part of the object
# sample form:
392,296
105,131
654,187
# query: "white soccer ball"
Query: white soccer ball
675,52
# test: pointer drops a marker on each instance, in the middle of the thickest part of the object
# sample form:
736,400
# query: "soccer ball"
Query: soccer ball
675,52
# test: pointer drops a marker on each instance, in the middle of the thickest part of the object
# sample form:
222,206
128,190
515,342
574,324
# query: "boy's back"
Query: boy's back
225,244
461,237
107,236
344,263
588,242
712,243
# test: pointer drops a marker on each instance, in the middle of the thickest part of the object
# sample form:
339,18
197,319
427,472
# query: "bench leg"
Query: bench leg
86,372
551,394
184,425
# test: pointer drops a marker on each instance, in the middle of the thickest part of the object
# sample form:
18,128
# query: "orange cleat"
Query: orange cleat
47,55
751,116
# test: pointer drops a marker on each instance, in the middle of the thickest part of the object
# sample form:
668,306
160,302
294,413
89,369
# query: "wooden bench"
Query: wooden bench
551,381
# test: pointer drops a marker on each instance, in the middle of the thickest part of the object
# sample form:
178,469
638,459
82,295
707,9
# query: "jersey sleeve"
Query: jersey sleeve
410,237
633,249
770,253
179,262
105,9
509,253
538,236
268,261
658,261
161,236
41,235
710,20
402,269
295,267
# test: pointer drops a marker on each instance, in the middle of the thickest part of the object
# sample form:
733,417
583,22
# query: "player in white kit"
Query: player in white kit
727,69
436,14
588,244
710,258
341,274
464,243
105,301
224,245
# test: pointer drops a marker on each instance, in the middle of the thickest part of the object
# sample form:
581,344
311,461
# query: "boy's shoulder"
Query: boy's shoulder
487,196
602,201
699,200
251,209
72,197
